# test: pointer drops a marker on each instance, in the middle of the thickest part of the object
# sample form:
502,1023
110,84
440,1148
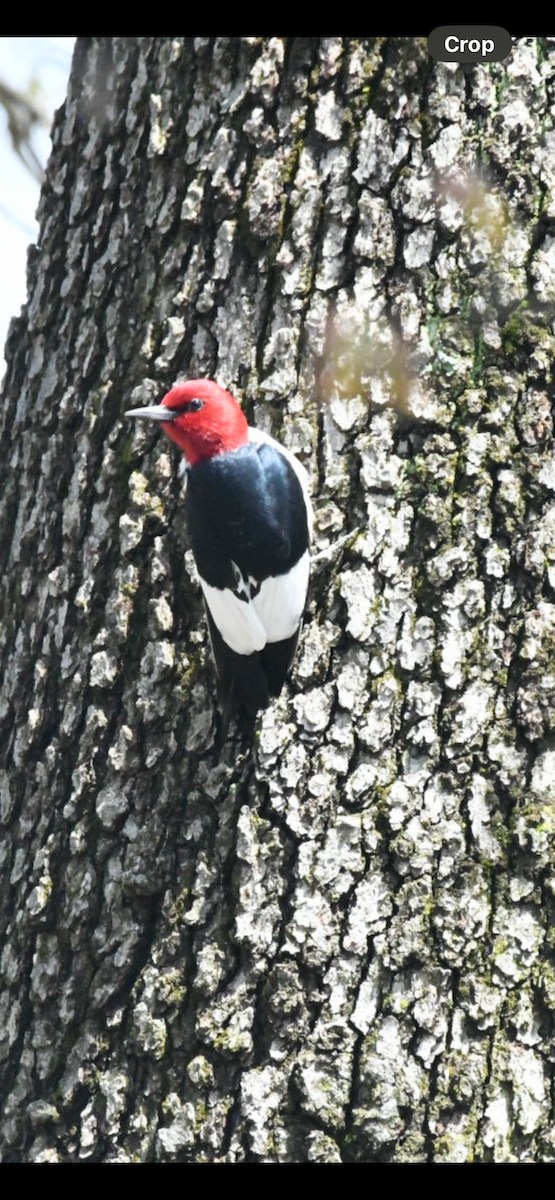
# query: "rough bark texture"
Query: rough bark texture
338,946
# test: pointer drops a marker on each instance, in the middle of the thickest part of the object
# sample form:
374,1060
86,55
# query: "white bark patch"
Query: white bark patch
543,776
263,205
181,1133
474,711
313,709
313,928
104,669
259,883
357,590
519,935
160,126
446,149
479,807
265,73
417,642
39,897
418,248
378,153
111,805
161,616
498,1118
368,916
328,117
261,1094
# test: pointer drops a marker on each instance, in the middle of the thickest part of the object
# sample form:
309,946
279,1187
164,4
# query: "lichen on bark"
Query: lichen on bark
333,945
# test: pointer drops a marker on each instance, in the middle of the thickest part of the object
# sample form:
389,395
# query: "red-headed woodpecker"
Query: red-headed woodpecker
249,518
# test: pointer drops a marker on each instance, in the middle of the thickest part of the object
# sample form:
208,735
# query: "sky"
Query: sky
41,65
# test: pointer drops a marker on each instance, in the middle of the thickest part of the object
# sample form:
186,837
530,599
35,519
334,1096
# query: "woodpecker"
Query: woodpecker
249,517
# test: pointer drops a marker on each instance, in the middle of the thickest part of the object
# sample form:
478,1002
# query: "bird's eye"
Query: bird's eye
189,406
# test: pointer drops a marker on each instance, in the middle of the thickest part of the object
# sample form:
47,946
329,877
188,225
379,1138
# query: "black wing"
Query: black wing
247,508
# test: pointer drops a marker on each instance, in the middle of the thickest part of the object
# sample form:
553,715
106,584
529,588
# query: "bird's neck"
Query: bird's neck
199,445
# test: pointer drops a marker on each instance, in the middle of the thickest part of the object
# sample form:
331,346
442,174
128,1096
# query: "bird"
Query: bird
249,517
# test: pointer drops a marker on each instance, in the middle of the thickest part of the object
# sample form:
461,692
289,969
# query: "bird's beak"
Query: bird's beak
154,412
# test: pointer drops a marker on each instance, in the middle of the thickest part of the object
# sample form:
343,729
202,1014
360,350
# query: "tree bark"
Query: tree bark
334,945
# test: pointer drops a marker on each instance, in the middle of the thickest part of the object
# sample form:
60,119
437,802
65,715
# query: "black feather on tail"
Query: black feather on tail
247,681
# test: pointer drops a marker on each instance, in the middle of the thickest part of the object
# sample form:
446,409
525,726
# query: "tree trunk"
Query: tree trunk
334,945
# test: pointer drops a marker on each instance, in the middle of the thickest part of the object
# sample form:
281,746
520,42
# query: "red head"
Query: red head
201,417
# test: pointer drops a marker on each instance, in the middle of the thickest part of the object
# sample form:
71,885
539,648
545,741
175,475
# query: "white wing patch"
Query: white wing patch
237,620
280,602
271,615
